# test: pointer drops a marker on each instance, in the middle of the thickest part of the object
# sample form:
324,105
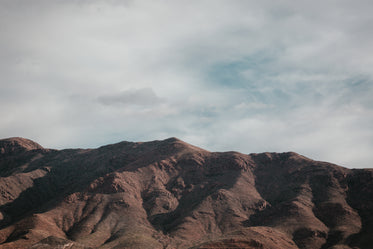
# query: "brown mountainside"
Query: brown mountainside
169,194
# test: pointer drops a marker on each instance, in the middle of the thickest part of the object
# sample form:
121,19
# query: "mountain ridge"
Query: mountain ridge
170,194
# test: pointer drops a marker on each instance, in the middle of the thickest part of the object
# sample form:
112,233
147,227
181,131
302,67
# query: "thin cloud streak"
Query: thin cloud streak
142,97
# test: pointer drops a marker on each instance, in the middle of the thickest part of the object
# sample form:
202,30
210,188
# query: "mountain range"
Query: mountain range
170,194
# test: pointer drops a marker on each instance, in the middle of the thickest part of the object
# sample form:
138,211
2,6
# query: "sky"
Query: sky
248,76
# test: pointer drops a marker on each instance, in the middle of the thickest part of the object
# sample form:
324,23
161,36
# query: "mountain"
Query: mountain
170,194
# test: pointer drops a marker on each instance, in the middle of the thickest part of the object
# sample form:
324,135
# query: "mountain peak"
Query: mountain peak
178,143
172,139
275,155
17,144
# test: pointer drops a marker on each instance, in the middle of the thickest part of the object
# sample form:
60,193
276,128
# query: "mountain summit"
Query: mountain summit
17,144
170,194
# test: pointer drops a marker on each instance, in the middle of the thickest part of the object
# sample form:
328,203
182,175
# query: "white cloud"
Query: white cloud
243,75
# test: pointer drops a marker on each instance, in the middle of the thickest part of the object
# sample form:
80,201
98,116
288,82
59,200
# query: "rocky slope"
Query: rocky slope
170,194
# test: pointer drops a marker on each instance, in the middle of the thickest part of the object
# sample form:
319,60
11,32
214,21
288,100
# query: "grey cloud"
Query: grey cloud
141,97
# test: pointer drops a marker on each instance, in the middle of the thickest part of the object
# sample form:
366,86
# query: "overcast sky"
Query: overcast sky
250,76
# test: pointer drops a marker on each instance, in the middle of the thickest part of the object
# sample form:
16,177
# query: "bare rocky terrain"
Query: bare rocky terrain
170,194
